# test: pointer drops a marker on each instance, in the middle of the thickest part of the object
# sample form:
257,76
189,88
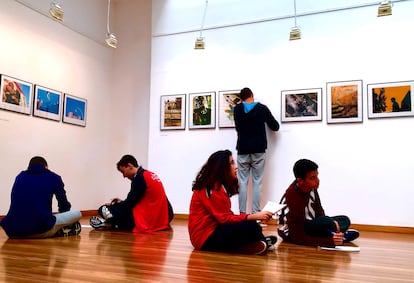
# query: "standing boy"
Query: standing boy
250,118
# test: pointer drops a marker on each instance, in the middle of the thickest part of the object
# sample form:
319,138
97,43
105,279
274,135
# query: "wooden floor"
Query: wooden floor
105,256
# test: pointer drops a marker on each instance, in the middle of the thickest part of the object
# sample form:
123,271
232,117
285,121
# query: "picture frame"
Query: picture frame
172,112
47,103
390,99
301,105
74,110
227,99
344,101
202,110
16,95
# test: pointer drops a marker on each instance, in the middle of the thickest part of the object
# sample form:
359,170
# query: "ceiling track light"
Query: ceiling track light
199,43
295,33
384,9
110,37
56,11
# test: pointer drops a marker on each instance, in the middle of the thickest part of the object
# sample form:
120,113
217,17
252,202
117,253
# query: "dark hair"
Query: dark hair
303,167
38,160
245,93
216,171
125,160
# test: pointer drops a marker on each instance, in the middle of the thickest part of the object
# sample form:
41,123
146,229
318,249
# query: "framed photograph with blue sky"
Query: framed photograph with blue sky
47,103
74,110
16,95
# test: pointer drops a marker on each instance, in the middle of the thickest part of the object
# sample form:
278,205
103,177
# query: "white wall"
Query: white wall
41,51
364,167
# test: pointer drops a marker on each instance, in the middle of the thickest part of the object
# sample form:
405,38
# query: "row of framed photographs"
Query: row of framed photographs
344,105
344,102
24,97
202,110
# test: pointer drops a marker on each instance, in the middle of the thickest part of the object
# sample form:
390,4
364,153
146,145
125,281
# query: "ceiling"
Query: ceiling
88,18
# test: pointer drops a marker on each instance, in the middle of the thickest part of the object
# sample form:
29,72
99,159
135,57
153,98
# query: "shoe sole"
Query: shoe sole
96,223
255,248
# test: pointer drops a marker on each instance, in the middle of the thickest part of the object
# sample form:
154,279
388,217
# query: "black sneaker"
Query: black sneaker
350,235
97,222
70,230
270,242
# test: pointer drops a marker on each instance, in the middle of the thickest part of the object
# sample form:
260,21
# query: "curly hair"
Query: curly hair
216,172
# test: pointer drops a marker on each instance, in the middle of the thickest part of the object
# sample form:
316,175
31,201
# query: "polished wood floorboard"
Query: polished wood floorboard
105,256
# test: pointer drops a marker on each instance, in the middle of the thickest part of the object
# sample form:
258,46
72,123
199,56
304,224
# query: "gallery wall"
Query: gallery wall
115,84
365,167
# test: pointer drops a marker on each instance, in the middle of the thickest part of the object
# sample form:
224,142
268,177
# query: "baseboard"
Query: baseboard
360,227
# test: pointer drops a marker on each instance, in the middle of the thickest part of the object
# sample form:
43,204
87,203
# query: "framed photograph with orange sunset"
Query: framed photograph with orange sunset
390,99
344,101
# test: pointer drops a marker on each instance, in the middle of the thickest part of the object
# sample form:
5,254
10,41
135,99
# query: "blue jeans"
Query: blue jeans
323,225
253,163
62,219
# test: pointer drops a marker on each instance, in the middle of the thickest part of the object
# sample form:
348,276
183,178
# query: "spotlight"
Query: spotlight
384,9
56,11
111,40
295,33
110,37
199,44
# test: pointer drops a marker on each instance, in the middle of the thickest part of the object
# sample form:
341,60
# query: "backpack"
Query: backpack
283,229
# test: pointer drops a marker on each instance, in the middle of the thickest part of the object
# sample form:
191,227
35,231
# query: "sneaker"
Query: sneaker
270,242
350,235
70,230
106,213
255,248
97,222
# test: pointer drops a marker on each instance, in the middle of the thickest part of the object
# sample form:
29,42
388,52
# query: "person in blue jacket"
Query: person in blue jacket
30,214
251,118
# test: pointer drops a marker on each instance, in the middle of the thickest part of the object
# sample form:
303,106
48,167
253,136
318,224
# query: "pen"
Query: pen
331,232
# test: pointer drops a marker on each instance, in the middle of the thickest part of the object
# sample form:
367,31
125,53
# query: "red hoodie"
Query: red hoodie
151,212
208,212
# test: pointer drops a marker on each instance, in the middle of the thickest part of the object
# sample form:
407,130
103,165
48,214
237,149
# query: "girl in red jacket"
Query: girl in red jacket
211,224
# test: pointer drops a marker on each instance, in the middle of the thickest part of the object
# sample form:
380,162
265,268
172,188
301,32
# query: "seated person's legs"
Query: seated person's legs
343,222
235,237
67,224
113,217
320,226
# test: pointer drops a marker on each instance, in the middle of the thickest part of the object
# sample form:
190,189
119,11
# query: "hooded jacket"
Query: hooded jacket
250,127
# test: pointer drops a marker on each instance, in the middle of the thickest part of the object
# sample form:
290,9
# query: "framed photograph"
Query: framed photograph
173,112
227,101
47,103
390,99
301,105
16,95
202,112
344,101
74,110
